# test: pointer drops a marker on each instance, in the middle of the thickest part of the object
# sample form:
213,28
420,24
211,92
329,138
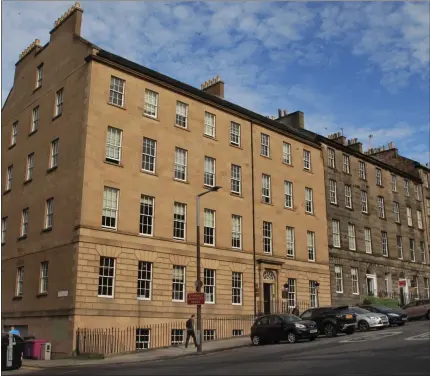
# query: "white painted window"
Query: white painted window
110,207
209,124
388,283
266,189
362,170
427,287
179,220
396,212
336,233
209,231
423,252
3,230
144,280
406,186
24,222
412,249
394,183
290,241
309,205
306,159
9,178
368,240
378,177
399,247
286,153
428,206
313,294
181,162
331,161
234,133
236,179
30,167
265,145
39,76
236,288
178,283
149,155
44,277
116,92
291,295
143,339
351,237
177,336
14,134
113,145
237,332
59,102
35,119
19,281
333,191
338,278
146,221
106,277
236,231
354,281
384,243
311,245
346,166
288,192
55,150
209,177
49,213
409,216
348,196
267,237
209,335
151,103
181,114
381,207
209,285
420,219
426,180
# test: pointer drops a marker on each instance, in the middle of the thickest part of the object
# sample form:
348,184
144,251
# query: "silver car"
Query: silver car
369,320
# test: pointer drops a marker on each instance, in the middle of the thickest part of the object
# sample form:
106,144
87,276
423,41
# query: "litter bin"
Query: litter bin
28,347
17,352
36,352
45,351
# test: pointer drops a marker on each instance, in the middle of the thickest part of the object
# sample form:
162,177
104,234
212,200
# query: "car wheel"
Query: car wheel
291,338
330,330
256,340
363,326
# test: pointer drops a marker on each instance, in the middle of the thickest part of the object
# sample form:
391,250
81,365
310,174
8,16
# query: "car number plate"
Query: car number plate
348,316
313,330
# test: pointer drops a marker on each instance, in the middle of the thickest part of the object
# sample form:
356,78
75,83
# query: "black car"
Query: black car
17,353
282,327
395,316
332,320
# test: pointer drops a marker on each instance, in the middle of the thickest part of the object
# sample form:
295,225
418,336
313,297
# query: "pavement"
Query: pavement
398,351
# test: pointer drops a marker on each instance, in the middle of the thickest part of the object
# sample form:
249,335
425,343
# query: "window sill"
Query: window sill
37,88
117,106
32,133
113,164
210,137
22,237
181,181
236,146
265,156
41,295
179,240
383,218
48,229
365,213
148,172
49,170
181,127
27,181
209,245
110,229
347,173
56,117
334,204
308,170
380,186
6,191
11,146
267,203
234,194
17,298
105,297
143,299
151,117
311,214
146,235
350,209
287,164
178,301
287,208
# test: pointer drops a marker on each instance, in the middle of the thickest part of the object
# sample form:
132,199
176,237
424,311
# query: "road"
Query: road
395,351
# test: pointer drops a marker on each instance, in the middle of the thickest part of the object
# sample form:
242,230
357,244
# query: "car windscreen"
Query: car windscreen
384,308
359,311
290,318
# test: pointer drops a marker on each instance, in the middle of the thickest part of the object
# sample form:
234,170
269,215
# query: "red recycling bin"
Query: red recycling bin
35,348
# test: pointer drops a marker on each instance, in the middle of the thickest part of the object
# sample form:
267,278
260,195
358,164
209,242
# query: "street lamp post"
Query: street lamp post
317,285
199,283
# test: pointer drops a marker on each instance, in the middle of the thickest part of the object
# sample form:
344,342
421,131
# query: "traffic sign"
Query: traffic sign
196,298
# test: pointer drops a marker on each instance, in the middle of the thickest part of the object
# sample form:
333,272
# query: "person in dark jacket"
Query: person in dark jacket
190,331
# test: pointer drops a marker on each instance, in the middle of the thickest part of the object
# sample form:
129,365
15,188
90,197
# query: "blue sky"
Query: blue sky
360,66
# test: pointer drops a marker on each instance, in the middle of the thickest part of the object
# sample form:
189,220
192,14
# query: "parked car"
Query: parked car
418,309
282,327
369,320
396,316
332,320
17,353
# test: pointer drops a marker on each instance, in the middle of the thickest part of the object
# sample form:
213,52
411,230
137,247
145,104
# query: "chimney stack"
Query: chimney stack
285,112
214,86
279,113
69,22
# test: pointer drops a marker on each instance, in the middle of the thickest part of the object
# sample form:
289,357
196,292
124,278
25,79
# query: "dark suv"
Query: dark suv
332,320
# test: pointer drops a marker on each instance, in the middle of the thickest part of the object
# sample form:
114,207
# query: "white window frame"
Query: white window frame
209,285
310,236
110,209
286,153
19,286
425,180
364,206
388,283
348,196
346,164
288,193
43,287
412,250
290,241
236,179
399,243
3,229
384,243
267,238
265,145
237,332
313,294
236,231
406,187
331,158
24,222
396,212
209,225
362,170
307,160
179,220
117,91
381,207
352,244
9,175
417,192
235,134
354,281
378,177
427,287
113,145
59,102
181,115
209,172
39,76
368,240
143,339
419,219
151,104
35,119
177,337
49,213
146,215
338,275
30,167
55,151
106,279
409,216
333,191
336,233
393,182
144,280
309,204
14,133
149,155
266,188
292,293
423,252
209,335
181,164
178,271
210,125
236,288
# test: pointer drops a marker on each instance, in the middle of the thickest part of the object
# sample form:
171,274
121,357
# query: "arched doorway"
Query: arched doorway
371,282
269,291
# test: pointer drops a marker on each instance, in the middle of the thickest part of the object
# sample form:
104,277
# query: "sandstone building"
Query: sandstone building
102,160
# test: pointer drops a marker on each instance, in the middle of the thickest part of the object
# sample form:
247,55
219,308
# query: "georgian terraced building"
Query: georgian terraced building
102,161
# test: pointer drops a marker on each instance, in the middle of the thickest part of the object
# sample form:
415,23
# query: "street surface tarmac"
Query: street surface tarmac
397,351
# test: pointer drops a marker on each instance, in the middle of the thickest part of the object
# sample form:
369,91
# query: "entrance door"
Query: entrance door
267,291
371,285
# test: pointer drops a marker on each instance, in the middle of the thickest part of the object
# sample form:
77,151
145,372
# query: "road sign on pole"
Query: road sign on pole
196,298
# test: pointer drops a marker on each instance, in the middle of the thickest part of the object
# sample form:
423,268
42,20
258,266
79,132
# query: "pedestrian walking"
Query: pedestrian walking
190,331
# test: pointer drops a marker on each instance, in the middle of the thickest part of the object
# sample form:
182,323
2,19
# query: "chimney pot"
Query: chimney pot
279,113
285,112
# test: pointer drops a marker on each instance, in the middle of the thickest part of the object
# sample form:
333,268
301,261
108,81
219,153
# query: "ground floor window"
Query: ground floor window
143,338
177,336
209,335
237,332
